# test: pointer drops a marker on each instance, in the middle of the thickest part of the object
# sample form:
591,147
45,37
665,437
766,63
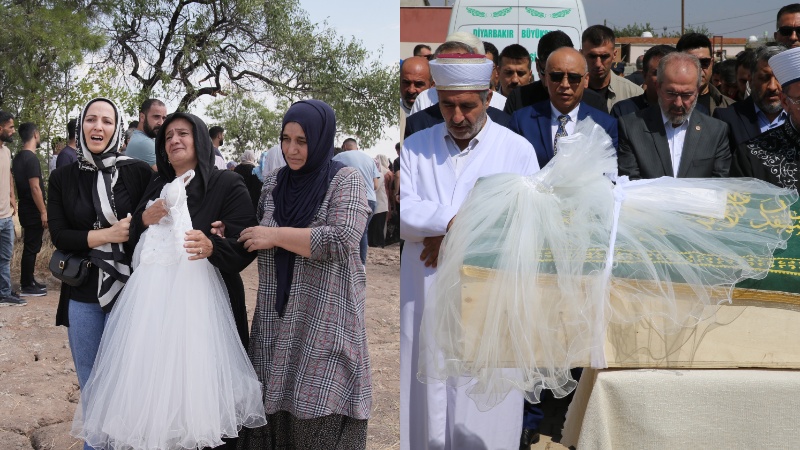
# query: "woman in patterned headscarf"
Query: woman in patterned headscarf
90,202
309,342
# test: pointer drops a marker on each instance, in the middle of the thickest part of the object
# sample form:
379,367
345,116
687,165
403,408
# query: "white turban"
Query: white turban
786,66
461,72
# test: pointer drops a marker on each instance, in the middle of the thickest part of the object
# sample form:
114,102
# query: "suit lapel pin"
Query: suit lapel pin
697,127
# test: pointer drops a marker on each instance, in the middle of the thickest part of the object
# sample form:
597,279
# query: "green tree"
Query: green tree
702,29
248,124
634,30
43,42
194,48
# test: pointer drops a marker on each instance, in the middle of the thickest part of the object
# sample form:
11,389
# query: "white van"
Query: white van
524,22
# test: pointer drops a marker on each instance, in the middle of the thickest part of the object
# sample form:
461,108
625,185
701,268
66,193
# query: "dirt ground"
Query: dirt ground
39,388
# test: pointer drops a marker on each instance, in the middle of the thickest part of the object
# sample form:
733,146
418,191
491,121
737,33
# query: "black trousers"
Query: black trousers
32,240
376,232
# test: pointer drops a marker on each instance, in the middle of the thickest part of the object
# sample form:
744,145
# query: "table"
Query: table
685,409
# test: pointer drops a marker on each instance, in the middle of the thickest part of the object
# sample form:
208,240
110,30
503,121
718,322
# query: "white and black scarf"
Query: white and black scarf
114,270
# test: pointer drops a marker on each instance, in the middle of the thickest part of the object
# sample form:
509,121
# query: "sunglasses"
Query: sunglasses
705,62
572,78
787,31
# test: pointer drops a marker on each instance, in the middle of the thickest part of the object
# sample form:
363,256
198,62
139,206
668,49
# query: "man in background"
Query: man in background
351,156
68,154
142,145
787,26
32,208
597,46
699,45
8,207
217,134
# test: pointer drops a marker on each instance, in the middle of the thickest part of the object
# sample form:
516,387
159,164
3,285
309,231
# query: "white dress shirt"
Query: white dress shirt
675,138
554,123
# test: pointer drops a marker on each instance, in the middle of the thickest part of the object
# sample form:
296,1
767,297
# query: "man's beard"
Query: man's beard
677,118
221,142
470,132
769,108
150,132
6,138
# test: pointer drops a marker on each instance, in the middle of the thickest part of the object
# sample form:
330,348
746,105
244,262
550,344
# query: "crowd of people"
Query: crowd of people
469,111
163,229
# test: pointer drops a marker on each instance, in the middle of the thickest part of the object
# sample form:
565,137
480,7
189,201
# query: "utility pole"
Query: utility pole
683,9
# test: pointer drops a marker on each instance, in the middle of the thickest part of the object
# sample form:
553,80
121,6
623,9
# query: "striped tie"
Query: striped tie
562,131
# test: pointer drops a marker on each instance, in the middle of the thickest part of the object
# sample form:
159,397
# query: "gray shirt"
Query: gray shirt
142,147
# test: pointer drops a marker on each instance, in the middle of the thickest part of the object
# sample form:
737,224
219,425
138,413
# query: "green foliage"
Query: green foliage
43,42
637,29
193,48
247,122
634,30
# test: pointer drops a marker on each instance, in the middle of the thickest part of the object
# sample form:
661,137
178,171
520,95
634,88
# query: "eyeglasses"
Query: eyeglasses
705,62
787,31
572,78
685,96
793,101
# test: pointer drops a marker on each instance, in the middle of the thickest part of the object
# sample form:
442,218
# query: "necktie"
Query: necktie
562,131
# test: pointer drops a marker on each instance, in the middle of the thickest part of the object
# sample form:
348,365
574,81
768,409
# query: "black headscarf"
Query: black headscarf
204,151
299,193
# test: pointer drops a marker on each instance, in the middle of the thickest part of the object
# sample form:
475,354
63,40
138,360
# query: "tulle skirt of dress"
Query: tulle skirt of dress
526,276
171,372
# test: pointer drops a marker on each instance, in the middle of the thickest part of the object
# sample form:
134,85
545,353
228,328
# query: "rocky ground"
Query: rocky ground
39,388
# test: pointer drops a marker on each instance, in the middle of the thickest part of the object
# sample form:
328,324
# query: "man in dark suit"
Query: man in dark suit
536,92
544,122
671,139
762,110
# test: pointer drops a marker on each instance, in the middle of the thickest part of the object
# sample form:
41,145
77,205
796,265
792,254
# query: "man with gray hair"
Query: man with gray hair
429,97
637,77
438,168
762,110
773,155
671,139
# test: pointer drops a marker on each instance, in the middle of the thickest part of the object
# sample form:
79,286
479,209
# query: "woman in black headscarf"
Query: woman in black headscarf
87,216
309,342
213,195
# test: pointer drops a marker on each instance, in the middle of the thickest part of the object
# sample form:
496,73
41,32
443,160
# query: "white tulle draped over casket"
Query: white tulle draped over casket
535,268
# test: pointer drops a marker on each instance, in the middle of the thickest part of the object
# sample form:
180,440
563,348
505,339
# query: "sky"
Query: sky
728,18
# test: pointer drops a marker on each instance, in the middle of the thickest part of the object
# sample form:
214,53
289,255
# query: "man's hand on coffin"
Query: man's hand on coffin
430,252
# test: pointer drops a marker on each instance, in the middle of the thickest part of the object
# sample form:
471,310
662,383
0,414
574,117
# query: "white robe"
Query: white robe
435,415
430,97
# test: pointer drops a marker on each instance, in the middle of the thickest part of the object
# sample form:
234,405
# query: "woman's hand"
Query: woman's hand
119,232
198,245
154,213
258,238
218,228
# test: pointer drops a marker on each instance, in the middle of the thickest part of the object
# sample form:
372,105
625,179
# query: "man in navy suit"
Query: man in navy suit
544,122
762,110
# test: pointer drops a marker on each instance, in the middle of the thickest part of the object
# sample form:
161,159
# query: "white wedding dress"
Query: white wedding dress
529,268
171,372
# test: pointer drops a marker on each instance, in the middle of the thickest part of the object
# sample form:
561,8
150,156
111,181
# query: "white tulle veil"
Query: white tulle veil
527,285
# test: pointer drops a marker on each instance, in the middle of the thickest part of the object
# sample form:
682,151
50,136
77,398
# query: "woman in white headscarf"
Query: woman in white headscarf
88,210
